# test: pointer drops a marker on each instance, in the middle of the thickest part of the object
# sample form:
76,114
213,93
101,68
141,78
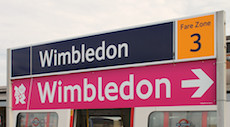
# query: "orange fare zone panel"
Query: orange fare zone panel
195,37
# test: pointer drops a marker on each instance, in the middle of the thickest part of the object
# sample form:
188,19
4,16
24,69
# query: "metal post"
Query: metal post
9,91
221,69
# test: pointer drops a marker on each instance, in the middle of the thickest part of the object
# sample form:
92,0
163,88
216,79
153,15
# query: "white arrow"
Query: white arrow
204,83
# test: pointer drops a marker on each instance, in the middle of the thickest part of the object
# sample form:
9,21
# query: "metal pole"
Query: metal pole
9,117
221,69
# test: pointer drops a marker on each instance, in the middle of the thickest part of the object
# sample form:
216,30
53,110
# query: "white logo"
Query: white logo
19,94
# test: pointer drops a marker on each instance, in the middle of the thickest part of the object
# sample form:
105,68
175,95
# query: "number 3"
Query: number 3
196,42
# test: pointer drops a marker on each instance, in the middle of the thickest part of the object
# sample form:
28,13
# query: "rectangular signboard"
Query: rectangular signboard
138,45
196,37
187,83
179,40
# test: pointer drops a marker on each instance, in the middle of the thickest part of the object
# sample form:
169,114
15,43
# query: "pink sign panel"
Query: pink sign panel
177,84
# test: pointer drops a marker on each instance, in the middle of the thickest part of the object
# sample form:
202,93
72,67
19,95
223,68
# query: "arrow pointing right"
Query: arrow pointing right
204,83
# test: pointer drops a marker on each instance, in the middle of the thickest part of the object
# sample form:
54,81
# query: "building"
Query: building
3,106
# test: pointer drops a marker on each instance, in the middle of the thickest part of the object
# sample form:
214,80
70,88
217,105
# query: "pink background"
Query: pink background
174,72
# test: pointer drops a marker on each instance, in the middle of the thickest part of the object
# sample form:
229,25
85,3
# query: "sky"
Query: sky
24,23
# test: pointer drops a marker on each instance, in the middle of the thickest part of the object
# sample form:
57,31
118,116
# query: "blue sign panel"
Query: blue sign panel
131,46
20,62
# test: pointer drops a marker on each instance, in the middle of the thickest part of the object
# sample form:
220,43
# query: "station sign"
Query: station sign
189,83
166,64
131,46
183,39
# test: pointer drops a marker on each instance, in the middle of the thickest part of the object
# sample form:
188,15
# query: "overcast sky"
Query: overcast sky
27,22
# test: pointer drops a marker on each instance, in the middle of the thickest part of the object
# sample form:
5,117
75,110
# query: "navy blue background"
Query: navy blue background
20,62
146,44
